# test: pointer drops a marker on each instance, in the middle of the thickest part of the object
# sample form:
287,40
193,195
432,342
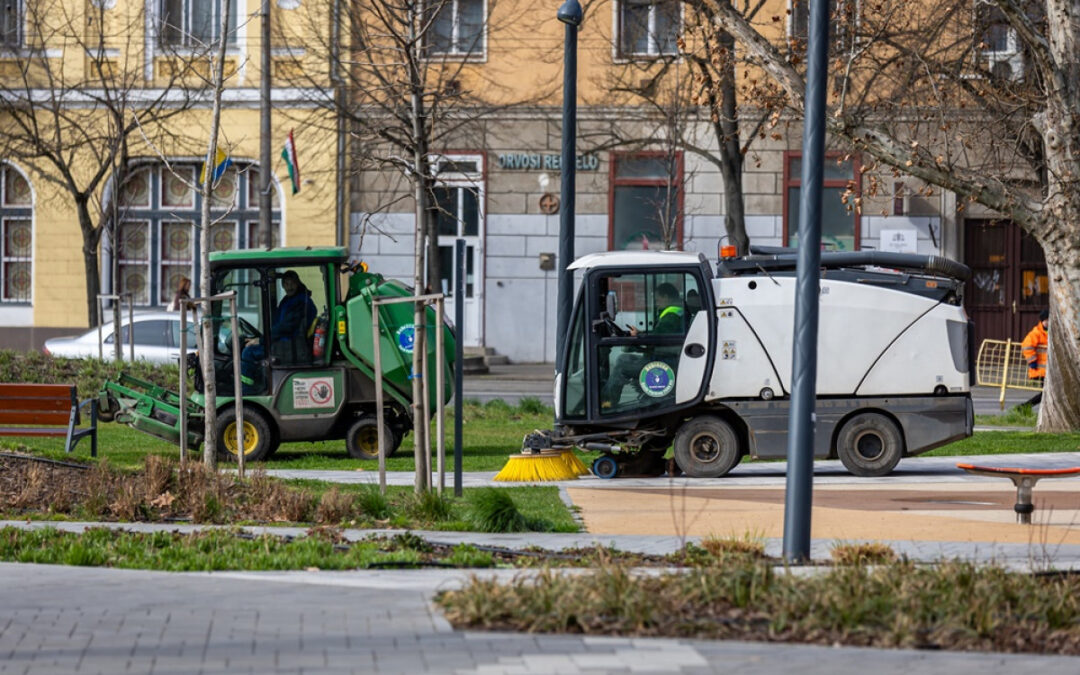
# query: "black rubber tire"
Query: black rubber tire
362,440
707,447
605,467
255,450
869,445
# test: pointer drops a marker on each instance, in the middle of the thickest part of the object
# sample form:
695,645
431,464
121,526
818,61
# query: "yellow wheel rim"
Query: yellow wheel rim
367,440
251,438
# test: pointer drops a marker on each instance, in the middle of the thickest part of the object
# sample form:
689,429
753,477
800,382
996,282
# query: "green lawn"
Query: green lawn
492,432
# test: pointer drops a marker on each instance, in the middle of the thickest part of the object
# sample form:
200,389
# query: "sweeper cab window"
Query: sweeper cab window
625,340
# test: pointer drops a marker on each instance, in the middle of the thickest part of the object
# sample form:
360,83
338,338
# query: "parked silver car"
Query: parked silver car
156,336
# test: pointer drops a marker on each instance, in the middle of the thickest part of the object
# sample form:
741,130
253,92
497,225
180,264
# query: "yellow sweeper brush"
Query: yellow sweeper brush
544,465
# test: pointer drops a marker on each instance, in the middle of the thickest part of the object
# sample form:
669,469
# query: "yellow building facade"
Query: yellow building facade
68,67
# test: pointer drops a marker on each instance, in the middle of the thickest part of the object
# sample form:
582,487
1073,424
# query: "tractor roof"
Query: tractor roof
635,258
291,255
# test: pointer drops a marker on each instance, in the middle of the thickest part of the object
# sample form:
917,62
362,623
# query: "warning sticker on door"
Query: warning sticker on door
313,392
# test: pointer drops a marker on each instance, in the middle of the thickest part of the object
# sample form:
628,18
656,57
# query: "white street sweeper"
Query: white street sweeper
661,352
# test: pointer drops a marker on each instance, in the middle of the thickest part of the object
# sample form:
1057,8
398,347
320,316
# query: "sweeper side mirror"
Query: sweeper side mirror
611,304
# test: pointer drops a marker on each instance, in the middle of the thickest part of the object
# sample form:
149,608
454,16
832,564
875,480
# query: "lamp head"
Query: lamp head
571,13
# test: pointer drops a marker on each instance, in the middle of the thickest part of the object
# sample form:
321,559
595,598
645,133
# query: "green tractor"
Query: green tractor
307,358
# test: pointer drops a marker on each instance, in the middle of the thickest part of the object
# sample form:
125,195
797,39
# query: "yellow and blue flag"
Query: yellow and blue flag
221,162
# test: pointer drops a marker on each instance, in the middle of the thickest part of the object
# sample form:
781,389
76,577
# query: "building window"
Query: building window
648,27
11,22
158,239
457,28
16,237
843,22
997,43
645,201
195,23
839,217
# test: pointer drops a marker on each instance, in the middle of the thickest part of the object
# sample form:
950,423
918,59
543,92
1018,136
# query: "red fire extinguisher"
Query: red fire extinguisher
318,347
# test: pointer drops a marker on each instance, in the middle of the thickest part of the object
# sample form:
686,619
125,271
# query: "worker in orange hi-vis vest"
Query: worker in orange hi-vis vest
1034,350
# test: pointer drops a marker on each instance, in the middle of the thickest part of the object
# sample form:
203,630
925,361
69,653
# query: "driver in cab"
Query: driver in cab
288,331
627,367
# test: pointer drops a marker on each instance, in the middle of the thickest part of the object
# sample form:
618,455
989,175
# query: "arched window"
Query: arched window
157,242
16,236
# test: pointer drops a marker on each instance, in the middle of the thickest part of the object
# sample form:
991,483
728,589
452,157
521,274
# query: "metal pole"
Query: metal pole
131,327
459,358
440,386
238,392
183,382
570,14
378,392
800,451
264,131
426,407
100,341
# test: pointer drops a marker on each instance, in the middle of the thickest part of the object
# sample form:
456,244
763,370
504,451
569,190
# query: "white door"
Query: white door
460,215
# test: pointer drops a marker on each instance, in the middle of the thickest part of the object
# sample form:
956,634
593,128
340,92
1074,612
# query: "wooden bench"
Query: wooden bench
46,407
1023,479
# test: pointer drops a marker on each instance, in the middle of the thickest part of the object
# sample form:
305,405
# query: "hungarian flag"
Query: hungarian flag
288,153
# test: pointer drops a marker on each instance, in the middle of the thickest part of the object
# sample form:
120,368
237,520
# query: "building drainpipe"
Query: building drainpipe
341,228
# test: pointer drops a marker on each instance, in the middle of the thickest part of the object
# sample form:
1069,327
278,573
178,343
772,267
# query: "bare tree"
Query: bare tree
74,124
981,103
684,84
407,85
206,188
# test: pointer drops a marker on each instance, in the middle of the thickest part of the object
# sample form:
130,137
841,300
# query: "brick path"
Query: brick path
56,619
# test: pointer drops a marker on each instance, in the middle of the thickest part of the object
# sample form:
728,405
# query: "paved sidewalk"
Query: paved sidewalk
826,472
57,619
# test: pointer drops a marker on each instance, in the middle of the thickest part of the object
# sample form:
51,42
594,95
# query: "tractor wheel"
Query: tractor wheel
870,444
259,441
706,447
362,441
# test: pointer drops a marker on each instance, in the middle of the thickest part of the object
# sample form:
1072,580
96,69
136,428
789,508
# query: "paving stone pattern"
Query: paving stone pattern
56,619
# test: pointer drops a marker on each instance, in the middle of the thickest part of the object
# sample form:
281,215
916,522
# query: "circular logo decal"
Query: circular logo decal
656,379
406,336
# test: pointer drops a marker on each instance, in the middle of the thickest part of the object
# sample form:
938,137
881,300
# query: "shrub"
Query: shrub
494,510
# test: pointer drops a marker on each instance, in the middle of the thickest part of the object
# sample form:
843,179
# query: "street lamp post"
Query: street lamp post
571,15
798,498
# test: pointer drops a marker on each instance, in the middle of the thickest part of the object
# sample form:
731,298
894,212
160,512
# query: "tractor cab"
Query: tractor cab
639,338
284,300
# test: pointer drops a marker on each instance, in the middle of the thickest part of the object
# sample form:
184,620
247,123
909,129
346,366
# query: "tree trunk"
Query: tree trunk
421,183
731,157
206,354
1060,409
91,239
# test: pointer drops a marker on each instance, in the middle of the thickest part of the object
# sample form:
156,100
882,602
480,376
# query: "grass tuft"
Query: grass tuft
494,510
722,548
869,553
429,507
373,503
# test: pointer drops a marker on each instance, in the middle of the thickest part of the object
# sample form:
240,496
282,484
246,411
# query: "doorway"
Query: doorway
459,203
1009,285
